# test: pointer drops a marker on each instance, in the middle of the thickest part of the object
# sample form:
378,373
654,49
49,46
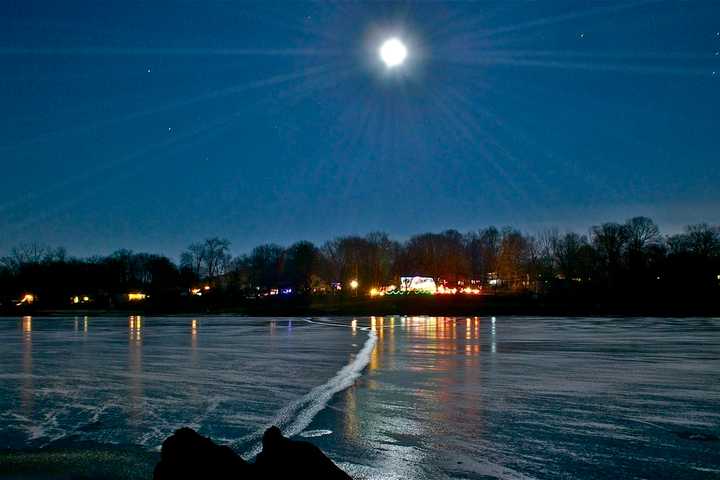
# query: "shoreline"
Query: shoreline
401,307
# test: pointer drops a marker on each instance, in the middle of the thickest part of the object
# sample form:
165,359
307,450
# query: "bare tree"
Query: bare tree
567,251
192,259
208,259
704,240
216,256
641,232
32,253
512,258
610,240
266,265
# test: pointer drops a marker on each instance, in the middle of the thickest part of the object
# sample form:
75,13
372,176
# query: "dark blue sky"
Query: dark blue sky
150,125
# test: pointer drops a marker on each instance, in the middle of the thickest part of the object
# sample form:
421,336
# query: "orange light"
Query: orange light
28,298
136,296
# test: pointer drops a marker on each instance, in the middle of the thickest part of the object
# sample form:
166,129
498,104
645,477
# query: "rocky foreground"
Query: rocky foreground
187,454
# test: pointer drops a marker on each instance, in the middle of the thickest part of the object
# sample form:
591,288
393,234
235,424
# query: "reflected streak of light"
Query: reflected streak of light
193,340
27,391
493,346
135,365
27,325
391,343
351,423
135,328
354,326
85,325
375,355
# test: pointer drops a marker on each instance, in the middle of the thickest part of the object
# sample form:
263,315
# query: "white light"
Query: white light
393,52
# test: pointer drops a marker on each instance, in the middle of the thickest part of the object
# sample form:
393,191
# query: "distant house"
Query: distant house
418,285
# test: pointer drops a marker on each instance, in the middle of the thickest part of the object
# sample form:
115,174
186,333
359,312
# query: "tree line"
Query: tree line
630,258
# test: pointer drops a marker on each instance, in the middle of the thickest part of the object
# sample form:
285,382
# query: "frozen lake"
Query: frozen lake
385,397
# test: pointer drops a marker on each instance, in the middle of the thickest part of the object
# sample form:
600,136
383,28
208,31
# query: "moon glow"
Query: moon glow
393,52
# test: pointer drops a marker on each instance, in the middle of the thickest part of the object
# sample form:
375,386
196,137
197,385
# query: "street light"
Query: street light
354,286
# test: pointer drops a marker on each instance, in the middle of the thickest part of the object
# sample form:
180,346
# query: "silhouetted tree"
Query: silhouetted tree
513,258
208,259
618,261
641,233
383,255
610,240
216,257
438,255
302,262
483,250
348,259
567,251
267,264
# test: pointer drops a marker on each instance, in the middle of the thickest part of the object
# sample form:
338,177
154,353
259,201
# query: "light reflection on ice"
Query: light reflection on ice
441,397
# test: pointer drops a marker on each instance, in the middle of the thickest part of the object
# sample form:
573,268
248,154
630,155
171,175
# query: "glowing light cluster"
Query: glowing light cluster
198,291
27,299
424,285
418,284
136,296
443,290
379,292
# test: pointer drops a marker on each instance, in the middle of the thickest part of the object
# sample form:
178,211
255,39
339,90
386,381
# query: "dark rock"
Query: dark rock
285,458
187,454
698,436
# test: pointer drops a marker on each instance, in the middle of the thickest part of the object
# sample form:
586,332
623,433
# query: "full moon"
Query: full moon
393,52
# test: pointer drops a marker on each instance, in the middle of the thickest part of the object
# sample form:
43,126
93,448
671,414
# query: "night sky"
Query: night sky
150,125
